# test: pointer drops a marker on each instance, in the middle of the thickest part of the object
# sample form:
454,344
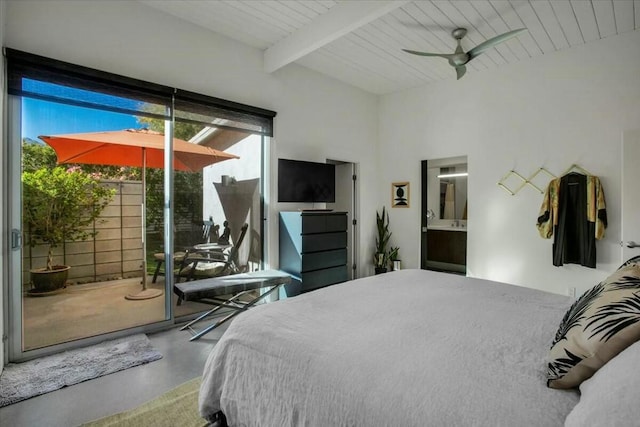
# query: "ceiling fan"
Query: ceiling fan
459,58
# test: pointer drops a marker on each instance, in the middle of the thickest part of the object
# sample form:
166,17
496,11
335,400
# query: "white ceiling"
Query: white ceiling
359,42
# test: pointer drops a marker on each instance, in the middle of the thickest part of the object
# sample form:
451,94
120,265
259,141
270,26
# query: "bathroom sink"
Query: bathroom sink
447,227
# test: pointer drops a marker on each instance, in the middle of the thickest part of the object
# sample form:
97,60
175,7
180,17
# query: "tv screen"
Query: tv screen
308,182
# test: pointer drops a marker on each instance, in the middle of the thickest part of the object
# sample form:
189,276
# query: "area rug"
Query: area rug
177,407
20,381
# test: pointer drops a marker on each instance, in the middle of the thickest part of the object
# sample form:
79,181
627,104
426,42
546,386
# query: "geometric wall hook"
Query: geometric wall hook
504,182
532,177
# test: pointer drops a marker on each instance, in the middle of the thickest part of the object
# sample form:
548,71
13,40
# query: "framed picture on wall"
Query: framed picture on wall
400,195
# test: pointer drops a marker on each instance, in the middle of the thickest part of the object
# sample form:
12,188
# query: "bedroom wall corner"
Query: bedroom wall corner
3,278
553,111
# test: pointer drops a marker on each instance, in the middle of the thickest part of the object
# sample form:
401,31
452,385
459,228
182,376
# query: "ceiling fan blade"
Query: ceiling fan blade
492,42
415,52
460,70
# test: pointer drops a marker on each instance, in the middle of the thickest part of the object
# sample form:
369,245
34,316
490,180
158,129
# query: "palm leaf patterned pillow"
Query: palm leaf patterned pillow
631,261
600,324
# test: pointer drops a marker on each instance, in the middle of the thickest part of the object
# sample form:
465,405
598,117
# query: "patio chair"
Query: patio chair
215,264
201,235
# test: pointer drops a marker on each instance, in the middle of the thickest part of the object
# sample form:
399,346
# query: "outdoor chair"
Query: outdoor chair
199,265
201,235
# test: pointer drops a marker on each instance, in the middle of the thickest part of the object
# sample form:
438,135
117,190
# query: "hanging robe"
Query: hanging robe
573,211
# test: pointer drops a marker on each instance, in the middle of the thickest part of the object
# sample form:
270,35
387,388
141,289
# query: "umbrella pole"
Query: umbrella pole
144,293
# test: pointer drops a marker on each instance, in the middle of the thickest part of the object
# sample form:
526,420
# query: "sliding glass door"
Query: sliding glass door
83,246
114,184
218,214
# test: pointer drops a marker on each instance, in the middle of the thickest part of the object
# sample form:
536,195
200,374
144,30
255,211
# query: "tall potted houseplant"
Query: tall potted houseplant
59,205
380,257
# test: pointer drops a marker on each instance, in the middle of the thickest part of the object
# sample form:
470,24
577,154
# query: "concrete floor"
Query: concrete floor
71,406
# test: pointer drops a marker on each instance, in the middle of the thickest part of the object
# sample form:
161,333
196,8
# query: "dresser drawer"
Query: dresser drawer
323,242
324,223
319,260
317,279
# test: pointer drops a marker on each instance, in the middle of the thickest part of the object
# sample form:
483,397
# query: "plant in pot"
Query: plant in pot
59,205
380,257
394,260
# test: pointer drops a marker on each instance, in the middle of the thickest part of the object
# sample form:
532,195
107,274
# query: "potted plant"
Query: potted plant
59,205
394,261
380,257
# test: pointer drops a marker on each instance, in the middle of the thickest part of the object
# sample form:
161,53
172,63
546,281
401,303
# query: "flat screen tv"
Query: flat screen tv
306,182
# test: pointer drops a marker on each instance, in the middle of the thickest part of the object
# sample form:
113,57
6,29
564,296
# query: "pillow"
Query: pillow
611,396
630,261
600,324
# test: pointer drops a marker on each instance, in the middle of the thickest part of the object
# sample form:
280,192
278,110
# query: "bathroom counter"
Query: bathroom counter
446,228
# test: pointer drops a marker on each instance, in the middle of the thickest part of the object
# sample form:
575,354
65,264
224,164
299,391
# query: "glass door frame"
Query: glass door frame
14,293
14,308
21,65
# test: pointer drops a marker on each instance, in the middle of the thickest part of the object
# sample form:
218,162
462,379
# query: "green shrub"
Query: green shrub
61,204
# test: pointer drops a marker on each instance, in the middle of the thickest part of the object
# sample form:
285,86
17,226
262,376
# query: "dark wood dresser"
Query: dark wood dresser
313,248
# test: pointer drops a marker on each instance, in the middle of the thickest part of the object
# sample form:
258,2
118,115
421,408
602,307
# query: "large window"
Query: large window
95,195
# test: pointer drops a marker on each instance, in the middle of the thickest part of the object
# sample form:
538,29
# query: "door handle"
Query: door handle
16,239
632,244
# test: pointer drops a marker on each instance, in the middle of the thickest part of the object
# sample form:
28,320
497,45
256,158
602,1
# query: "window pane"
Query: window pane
104,253
218,220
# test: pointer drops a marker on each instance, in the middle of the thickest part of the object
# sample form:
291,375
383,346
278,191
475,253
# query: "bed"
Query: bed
406,348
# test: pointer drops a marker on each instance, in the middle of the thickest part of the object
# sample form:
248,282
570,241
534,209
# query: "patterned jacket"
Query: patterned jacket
573,211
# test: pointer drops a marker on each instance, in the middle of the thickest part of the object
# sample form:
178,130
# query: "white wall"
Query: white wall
568,107
318,117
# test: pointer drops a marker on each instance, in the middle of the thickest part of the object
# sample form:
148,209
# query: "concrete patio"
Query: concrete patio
92,309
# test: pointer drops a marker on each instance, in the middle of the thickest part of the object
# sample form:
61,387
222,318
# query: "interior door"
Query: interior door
423,214
630,194
345,202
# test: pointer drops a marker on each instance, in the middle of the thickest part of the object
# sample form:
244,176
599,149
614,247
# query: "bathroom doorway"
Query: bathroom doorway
443,244
346,201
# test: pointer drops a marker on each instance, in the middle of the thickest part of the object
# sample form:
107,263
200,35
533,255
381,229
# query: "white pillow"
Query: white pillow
611,397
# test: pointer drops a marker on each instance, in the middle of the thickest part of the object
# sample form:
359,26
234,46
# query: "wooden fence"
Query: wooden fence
116,250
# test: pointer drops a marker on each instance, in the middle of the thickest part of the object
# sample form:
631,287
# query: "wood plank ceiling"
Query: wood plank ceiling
360,42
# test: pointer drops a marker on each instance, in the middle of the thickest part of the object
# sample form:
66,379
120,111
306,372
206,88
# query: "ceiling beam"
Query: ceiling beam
340,20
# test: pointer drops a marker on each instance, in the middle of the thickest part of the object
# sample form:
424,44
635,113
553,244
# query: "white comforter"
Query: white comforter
407,348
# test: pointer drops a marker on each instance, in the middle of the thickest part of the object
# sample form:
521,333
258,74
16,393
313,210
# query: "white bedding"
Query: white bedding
406,348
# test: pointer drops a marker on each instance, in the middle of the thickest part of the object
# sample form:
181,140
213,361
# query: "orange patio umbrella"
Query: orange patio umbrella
138,148
129,147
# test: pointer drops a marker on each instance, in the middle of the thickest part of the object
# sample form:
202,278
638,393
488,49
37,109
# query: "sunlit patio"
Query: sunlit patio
92,309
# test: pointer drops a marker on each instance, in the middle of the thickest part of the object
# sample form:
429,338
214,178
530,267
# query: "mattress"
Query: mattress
405,348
